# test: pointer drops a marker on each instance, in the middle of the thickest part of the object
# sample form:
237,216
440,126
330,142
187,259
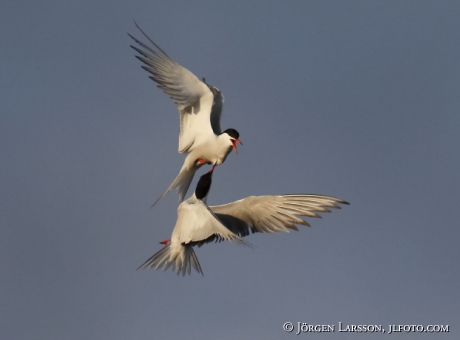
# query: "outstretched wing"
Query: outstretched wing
192,97
268,214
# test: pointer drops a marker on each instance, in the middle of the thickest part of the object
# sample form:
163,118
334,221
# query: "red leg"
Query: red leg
165,242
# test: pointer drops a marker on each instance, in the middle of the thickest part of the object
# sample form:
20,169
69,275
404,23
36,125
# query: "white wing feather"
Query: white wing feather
268,214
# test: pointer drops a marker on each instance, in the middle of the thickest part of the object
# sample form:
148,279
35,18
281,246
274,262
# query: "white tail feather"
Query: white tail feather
182,182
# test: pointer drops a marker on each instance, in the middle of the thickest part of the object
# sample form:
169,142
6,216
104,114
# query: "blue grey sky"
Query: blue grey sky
353,99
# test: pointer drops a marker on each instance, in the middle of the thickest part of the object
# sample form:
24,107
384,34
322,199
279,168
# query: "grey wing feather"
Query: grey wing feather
183,87
192,97
216,111
267,214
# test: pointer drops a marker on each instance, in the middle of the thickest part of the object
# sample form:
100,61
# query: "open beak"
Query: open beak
234,144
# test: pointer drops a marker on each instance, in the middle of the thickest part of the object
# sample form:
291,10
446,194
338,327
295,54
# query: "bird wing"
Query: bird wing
198,225
192,97
216,111
268,214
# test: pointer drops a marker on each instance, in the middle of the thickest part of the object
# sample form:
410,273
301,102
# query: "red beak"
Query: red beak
234,144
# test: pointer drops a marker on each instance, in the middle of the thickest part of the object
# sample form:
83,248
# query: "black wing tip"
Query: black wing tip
135,23
148,38
144,265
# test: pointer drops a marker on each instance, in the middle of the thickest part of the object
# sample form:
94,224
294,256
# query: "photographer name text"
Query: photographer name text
303,327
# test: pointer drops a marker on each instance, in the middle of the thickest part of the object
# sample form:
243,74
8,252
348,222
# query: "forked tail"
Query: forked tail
182,182
180,258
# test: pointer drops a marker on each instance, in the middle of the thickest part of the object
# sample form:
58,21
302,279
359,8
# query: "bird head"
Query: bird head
204,184
234,135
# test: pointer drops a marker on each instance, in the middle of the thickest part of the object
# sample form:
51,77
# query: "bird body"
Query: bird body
196,224
207,153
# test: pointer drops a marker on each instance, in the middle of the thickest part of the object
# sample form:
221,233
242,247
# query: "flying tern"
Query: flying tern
198,224
200,110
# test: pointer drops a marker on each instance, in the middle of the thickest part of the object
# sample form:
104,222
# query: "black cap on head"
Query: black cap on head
232,133
203,186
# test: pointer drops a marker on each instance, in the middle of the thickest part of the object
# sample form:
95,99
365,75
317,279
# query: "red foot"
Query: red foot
165,242
202,161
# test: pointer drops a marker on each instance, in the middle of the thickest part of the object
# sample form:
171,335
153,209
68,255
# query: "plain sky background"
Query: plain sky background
354,99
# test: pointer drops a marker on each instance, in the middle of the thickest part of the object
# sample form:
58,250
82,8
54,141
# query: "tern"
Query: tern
200,110
198,223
